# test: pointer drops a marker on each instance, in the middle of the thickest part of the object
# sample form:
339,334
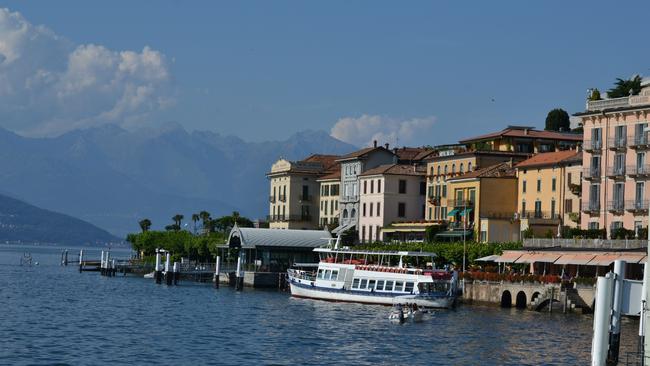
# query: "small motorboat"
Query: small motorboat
397,315
402,313
149,275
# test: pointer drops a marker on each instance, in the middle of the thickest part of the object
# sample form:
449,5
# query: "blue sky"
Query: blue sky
423,72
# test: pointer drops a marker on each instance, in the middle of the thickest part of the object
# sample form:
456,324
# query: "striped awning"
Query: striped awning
577,258
538,257
489,258
509,257
604,259
632,257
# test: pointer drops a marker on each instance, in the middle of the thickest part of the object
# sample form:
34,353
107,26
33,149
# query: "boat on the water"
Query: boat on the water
374,277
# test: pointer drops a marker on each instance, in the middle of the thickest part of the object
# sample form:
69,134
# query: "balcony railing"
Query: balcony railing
498,215
282,218
463,203
637,205
599,105
615,206
276,218
272,199
282,198
591,207
617,143
639,142
593,146
542,215
591,173
638,170
616,171
305,198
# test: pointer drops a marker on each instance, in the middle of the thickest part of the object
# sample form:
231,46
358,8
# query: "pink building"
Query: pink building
616,168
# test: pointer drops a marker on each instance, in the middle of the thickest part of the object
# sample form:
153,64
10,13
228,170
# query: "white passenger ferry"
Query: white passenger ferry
368,277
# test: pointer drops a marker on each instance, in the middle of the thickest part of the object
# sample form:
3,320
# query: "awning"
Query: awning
489,258
469,211
404,230
604,259
538,257
509,257
577,258
343,228
452,212
632,257
455,234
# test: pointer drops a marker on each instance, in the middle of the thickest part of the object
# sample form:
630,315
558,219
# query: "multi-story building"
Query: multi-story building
484,201
522,139
295,192
329,199
352,165
389,193
616,168
549,191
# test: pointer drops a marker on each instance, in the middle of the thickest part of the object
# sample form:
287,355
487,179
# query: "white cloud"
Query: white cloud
49,85
361,131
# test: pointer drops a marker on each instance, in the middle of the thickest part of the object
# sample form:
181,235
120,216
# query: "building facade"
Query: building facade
388,194
616,167
294,196
329,199
549,191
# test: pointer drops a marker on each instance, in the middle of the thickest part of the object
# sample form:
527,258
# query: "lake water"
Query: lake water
54,315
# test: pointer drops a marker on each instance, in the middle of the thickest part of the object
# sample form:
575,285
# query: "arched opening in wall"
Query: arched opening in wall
345,214
535,296
520,302
506,299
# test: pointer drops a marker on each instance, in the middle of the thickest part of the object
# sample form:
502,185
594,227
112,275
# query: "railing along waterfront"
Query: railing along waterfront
534,243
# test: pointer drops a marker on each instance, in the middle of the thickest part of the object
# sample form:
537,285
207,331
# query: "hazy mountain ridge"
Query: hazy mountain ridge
112,177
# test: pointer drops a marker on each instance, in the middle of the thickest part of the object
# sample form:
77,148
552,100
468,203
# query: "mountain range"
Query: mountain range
112,177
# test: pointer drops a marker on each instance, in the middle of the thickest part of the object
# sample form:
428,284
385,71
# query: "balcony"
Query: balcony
282,198
591,173
599,105
434,200
463,203
593,146
283,218
616,206
546,215
637,206
638,171
305,198
639,142
345,199
616,172
592,208
276,218
617,143
576,189
272,199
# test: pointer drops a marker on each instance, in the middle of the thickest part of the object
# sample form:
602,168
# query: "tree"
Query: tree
557,120
195,219
624,88
145,225
205,217
178,219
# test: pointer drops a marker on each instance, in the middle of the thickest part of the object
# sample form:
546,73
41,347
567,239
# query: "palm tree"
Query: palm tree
624,88
178,218
145,224
195,219
205,217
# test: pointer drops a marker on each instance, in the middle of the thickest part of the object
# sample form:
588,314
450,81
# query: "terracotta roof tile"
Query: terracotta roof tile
551,158
518,131
395,169
362,152
334,175
501,170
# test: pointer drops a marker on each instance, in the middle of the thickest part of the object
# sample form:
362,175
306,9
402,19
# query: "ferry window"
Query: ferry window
389,286
399,285
380,285
371,284
335,275
409,287
320,273
364,283
355,283
327,274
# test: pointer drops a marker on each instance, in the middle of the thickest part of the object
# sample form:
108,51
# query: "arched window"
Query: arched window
453,168
462,168
353,214
469,166
438,169
345,214
445,170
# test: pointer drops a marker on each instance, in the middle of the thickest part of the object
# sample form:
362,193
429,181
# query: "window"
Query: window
553,181
443,213
402,186
364,284
523,186
523,208
372,186
336,206
639,193
469,166
539,185
370,233
355,283
365,186
423,188
568,205
430,213
453,168
378,186
462,169
553,208
371,284
438,169
399,286
370,209
380,285
408,287
377,233
593,226
378,208
335,274
445,170
363,210
389,286
568,178
320,273
401,209
538,209
444,190
327,274
363,232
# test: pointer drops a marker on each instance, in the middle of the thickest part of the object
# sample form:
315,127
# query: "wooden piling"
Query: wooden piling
217,268
81,260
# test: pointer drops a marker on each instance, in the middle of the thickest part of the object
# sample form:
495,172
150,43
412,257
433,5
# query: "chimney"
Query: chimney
374,143
386,145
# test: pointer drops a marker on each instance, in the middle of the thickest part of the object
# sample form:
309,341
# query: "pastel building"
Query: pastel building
616,165
329,199
549,190
294,196
388,194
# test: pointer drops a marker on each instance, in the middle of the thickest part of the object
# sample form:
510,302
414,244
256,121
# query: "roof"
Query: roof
362,153
334,175
523,131
412,153
252,238
395,169
475,152
552,158
501,170
328,161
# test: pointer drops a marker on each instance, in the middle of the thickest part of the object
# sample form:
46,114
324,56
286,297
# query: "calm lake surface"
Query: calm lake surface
54,315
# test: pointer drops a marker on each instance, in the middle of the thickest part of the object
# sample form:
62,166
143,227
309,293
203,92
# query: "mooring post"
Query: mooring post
65,260
550,302
101,264
168,274
81,260
177,270
238,279
61,262
615,336
114,268
217,267
157,273
602,318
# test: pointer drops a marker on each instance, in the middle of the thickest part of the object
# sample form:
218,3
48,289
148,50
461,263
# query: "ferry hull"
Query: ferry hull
303,291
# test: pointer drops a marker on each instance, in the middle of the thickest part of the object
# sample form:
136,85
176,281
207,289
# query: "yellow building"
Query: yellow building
483,202
549,190
329,199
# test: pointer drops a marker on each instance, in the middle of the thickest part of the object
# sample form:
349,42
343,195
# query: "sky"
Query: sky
411,73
